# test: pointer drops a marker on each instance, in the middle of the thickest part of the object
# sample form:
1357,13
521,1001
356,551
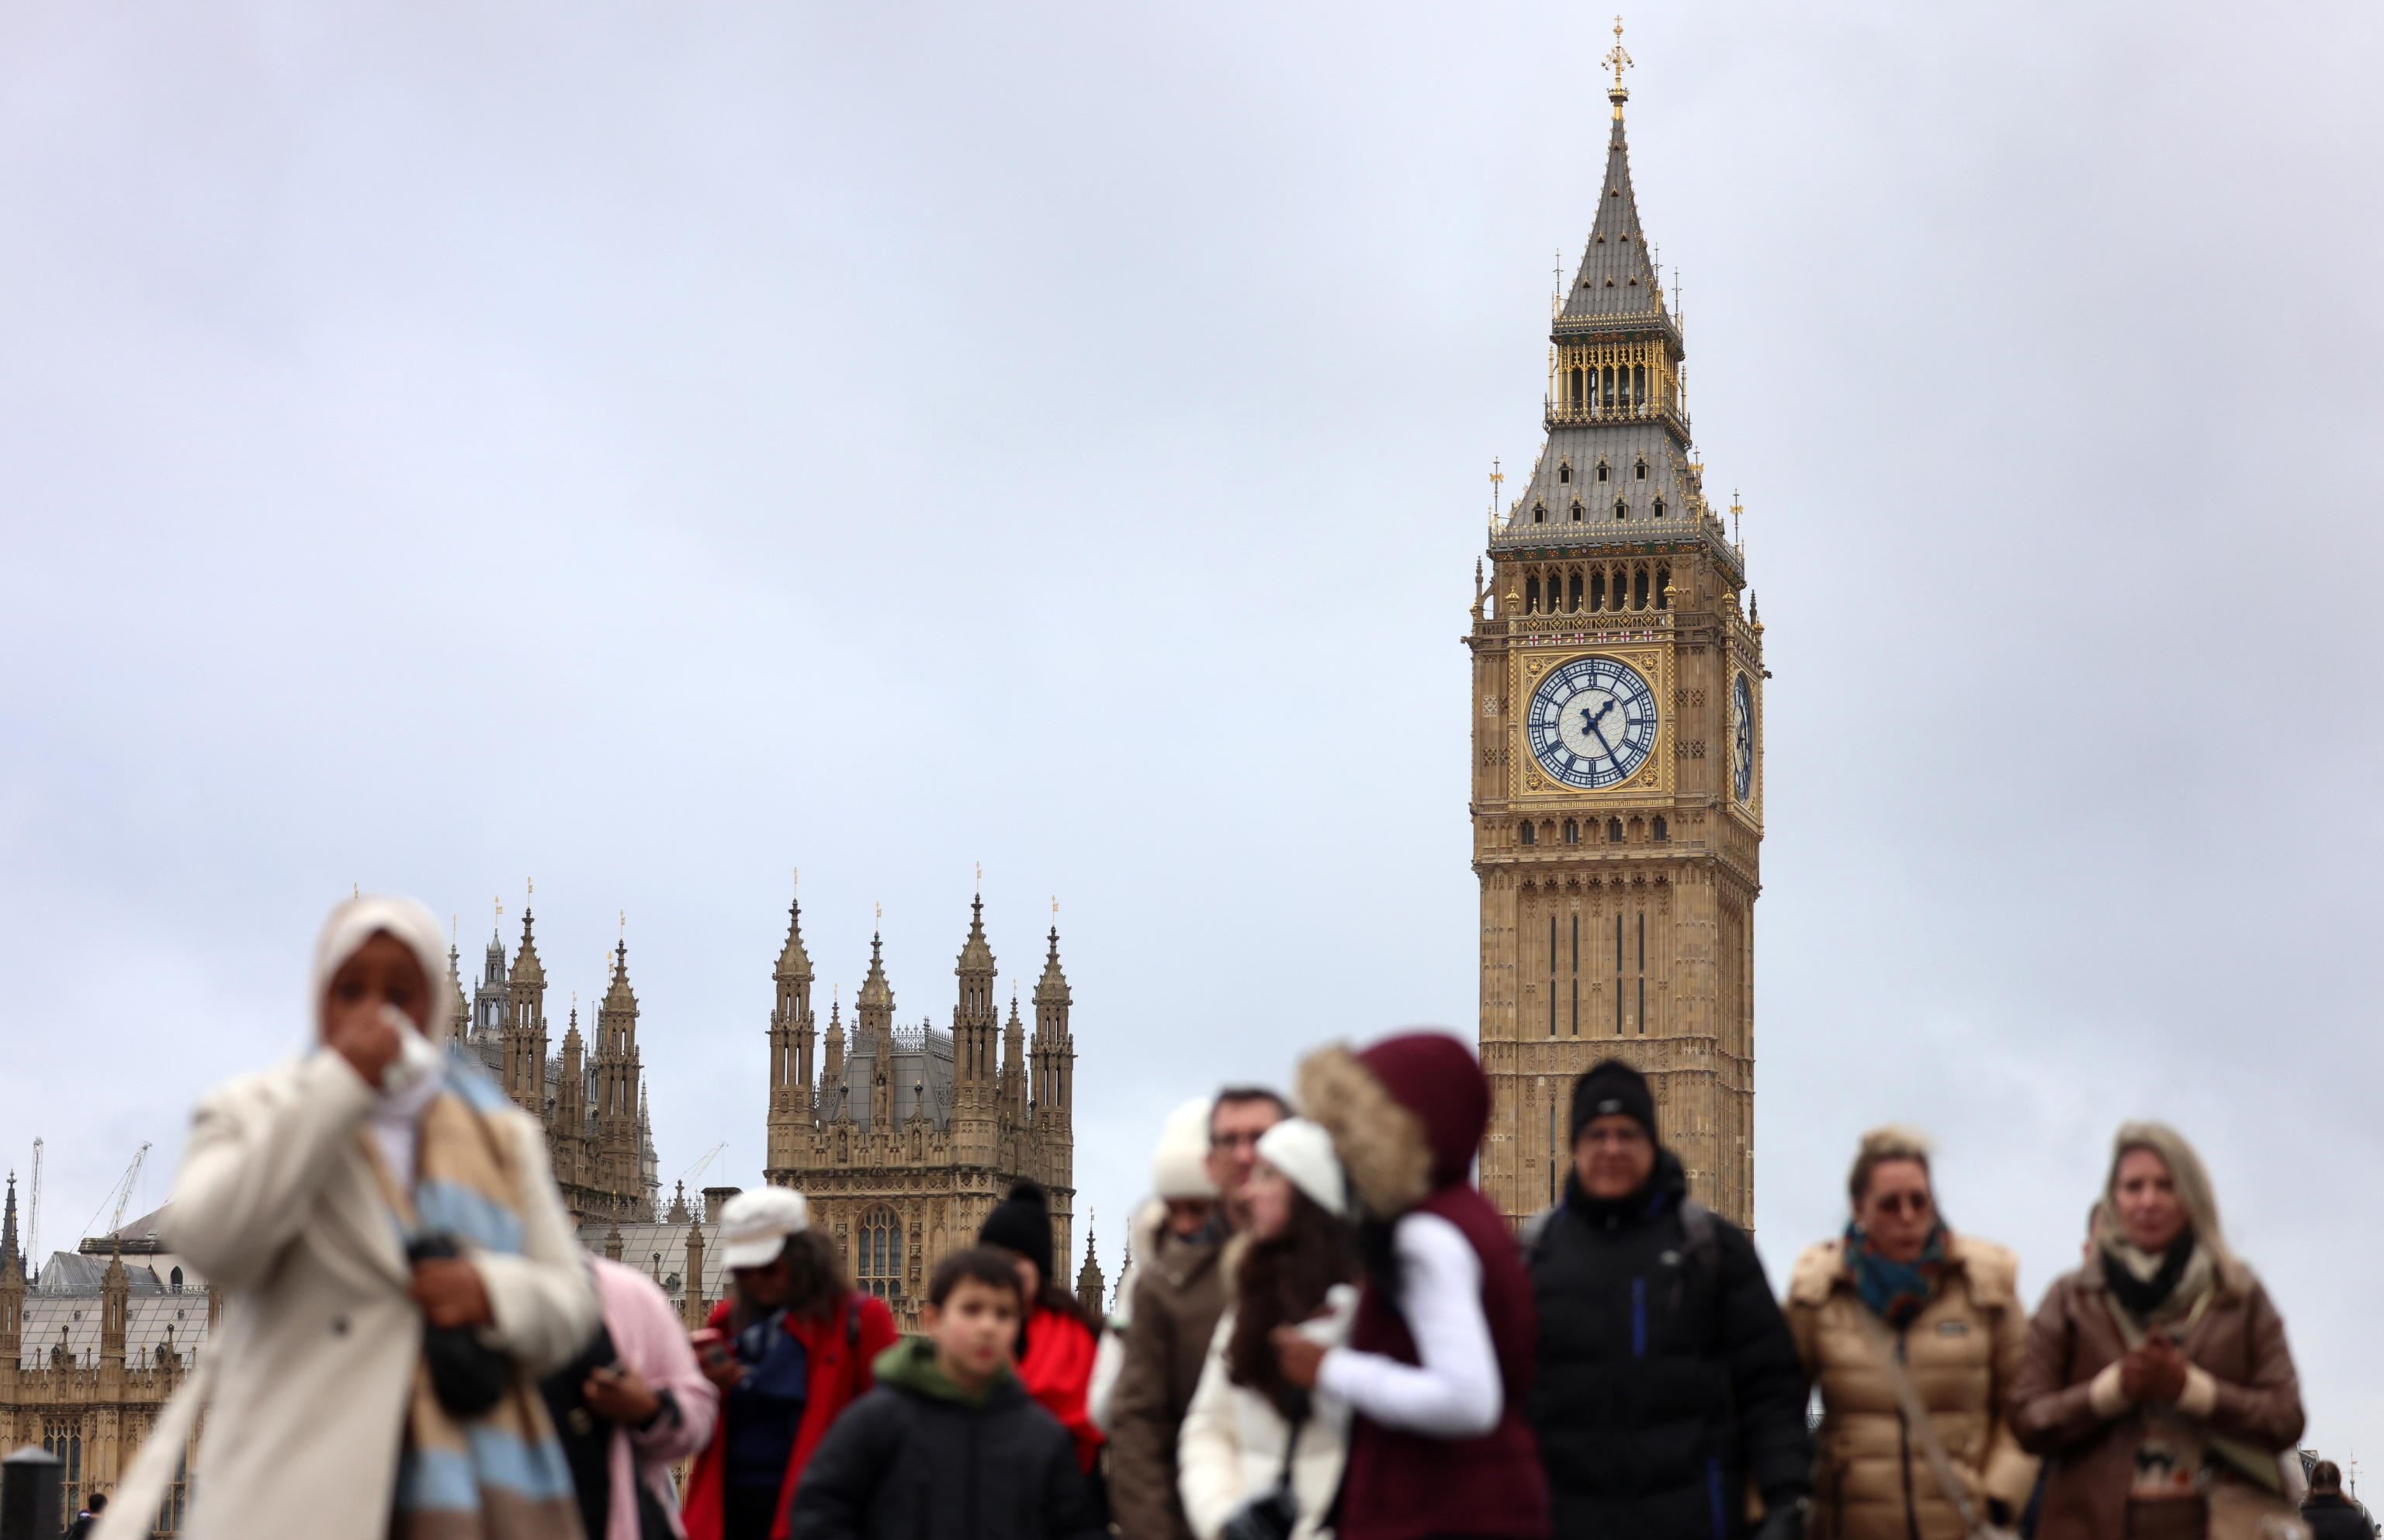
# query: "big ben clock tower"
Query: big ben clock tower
1617,765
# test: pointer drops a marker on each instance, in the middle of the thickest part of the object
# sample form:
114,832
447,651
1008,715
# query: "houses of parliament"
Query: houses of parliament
902,1137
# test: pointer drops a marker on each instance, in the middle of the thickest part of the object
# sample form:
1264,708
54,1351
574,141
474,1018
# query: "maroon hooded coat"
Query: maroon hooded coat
1406,1116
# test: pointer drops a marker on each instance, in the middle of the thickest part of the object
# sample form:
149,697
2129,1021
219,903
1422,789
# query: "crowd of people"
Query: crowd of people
1327,1330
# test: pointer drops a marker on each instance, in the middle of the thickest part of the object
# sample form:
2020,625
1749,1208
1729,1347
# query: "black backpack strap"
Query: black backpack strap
1697,1232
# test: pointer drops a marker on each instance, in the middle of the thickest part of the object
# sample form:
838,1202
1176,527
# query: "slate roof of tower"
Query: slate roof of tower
922,1068
1616,276
148,1321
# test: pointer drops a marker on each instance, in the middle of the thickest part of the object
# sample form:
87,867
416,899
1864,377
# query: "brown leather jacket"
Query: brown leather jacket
1178,1295
1871,1480
2247,1391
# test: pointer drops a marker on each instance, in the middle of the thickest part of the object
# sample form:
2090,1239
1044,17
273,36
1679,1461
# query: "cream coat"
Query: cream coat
1232,1445
1962,1354
305,1383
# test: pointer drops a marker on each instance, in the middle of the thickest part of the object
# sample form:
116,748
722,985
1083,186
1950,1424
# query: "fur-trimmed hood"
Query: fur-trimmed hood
1406,1115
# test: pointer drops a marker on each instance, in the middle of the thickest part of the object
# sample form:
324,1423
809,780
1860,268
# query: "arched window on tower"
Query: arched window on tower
1597,590
1532,595
1663,585
1659,831
877,1252
1525,833
1639,470
1576,511
1564,471
1539,513
1659,507
1573,584
1580,399
1572,832
1621,508
174,1280
1614,830
1601,470
1639,589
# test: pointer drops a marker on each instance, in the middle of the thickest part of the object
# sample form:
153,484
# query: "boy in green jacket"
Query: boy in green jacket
949,1446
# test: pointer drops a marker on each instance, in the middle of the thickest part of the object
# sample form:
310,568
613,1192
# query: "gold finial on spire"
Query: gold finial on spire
1055,908
1498,477
625,927
881,913
798,888
501,911
1736,507
980,879
1618,60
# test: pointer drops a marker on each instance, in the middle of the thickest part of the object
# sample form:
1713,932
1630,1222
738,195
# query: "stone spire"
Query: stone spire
525,1043
792,1030
9,1227
832,1072
459,1026
1050,1100
115,1306
618,1079
875,1023
568,1132
975,1020
1014,1065
1090,1289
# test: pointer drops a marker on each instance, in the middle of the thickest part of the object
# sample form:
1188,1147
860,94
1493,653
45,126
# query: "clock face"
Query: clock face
1592,722
1742,736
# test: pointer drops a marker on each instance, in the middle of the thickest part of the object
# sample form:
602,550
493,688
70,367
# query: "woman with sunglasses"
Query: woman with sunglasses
1902,1312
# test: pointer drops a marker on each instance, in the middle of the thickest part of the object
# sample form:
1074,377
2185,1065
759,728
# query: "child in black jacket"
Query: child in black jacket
948,1446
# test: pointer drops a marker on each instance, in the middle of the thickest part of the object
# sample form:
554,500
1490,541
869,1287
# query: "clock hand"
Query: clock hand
1600,736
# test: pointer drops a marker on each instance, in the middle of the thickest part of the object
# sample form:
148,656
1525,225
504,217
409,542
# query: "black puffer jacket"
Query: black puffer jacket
2334,1517
1668,1383
915,1460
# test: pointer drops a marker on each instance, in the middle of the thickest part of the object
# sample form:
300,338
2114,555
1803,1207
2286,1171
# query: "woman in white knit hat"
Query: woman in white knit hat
1258,1455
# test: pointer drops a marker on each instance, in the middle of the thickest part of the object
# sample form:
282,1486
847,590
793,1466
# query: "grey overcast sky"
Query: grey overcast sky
648,448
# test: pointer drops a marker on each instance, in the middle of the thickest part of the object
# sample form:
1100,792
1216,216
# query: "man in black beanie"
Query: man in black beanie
1667,1384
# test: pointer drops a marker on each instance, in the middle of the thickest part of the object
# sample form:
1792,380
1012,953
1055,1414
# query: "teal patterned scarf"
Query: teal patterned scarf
1895,1291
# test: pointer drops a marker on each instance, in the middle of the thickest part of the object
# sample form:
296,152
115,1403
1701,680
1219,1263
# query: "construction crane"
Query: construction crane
698,1168
131,1178
33,1212
120,1194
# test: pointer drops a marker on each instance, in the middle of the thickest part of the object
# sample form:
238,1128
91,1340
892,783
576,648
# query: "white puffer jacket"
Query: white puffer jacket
1232,1445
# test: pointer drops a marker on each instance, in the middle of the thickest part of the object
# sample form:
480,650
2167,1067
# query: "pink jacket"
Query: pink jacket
649,1338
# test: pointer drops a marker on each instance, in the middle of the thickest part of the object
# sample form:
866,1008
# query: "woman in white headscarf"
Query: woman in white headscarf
398,1271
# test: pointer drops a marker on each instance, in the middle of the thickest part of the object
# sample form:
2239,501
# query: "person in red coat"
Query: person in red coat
789,1349
1056,1345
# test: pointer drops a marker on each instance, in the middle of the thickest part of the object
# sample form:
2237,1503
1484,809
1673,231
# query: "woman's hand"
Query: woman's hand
358,1031
619,1394
1301,1359
2153,1373
450,1292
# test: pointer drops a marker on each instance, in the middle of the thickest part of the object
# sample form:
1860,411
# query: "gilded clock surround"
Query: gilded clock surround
1617,921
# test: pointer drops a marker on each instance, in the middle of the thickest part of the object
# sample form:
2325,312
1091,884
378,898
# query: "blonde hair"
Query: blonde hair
1896,1142
2185,1170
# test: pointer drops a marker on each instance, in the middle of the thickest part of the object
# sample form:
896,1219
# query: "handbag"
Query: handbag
1924,1428
1274,1513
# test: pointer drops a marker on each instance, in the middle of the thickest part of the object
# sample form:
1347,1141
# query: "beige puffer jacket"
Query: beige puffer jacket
1872,1482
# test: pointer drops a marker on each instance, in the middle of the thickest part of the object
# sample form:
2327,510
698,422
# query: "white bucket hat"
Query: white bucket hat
755,1225
1179,1167
1303,1152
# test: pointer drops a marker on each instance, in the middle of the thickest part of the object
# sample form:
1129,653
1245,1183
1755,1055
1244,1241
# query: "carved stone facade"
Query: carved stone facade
903,1137
592,1101
1616,793
87,1362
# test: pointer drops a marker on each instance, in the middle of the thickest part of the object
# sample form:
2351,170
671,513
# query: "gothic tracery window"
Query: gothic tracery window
877,1252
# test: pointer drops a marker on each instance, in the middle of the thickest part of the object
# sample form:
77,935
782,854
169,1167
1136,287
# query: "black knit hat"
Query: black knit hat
1611,1087
1021,1222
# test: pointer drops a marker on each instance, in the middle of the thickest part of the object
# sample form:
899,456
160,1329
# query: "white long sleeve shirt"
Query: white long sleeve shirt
1456,1391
